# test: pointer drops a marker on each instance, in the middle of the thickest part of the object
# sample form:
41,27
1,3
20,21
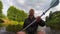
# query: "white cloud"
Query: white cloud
38,5
38,13
6,5
58,7
20,1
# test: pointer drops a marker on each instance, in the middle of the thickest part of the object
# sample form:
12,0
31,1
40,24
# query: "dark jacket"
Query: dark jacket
34,26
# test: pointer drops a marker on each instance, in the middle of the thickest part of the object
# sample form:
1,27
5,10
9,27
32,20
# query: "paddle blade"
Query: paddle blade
54,3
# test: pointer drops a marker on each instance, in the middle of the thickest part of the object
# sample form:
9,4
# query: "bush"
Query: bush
53,20
16,14
11,22
1,25
1,21
14,28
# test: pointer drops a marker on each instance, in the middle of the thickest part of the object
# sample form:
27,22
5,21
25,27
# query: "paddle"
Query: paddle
53,4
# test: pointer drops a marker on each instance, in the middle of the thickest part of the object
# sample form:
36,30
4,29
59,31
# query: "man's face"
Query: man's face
31,12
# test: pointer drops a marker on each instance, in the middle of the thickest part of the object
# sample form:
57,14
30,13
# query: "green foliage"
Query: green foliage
1,7
16,14
1,21
54,20
1,25
10,22
21,23
2,16
14,28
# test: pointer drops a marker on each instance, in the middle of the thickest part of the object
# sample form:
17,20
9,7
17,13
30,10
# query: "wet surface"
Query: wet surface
3,31
47,30
6,33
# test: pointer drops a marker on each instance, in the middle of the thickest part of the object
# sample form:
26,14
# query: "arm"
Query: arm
41,23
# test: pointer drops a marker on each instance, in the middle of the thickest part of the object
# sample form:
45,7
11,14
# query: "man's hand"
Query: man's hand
38,19
21,32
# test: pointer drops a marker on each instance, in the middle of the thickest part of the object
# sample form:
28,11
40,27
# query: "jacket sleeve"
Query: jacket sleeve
41,23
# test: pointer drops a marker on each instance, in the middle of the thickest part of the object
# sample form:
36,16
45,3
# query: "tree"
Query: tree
1,7
16,14
54,20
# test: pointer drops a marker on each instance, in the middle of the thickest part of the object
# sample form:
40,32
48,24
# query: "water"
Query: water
3,31
51,31
47,30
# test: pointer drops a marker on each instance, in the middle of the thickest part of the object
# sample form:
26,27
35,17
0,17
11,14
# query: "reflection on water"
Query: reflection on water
47,30
3,29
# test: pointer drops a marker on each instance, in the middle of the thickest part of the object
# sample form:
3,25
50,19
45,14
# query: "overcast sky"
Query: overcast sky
38,5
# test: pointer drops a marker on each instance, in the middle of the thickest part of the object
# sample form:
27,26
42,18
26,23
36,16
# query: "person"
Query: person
33,28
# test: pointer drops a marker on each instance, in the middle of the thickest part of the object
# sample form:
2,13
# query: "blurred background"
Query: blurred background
14,12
